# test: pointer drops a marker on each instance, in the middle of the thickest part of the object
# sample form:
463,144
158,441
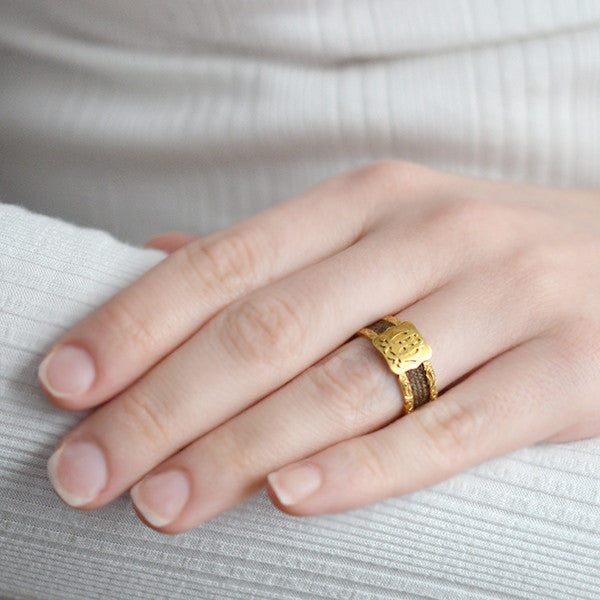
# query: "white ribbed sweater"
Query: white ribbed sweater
139,117
191,114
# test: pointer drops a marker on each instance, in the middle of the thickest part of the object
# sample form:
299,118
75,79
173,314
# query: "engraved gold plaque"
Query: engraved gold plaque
403,347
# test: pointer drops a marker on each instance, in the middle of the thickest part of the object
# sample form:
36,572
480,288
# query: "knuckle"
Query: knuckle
476,225
447,429
376,172
567,368
462,226
573,351
127,326
227,265
468,216
232,452
542,271
351,387
397,175
147,416
266,329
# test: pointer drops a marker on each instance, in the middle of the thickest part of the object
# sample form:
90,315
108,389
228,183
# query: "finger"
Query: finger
245,352
515,400
351,392
169,242
230,463
585,429
117,343
254,347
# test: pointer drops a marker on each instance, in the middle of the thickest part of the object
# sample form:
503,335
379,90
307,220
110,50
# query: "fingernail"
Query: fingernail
295,483
160,498
67,371
78,472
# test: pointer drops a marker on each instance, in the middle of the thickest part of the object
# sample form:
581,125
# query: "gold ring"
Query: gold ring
407,354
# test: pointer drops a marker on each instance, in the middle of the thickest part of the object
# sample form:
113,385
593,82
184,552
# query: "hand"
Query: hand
232,359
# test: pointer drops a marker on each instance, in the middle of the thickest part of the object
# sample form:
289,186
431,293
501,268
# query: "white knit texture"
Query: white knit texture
192,114
140,117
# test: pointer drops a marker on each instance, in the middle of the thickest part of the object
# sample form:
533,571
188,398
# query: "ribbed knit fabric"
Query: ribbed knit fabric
191,114
523,526
139,117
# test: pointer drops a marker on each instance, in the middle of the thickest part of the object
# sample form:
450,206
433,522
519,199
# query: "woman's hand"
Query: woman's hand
230,360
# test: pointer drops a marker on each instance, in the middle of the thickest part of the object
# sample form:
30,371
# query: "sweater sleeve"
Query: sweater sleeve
525,525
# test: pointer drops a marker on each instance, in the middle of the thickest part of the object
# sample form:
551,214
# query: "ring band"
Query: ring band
407,355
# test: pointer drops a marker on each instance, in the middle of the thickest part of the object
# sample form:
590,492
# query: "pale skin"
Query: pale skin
231,365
